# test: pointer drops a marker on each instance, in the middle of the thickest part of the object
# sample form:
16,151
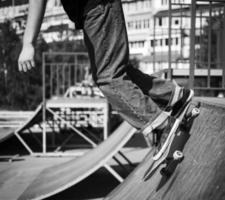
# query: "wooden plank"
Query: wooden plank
6,133
16,176
34,119
201,174
76,102
61,177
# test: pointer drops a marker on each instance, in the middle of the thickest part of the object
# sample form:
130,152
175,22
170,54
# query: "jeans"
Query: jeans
138,97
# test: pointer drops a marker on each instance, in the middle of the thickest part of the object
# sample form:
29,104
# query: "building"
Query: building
138,16
148,24
139,19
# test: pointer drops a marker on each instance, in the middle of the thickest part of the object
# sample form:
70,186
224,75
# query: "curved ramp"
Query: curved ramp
201,174
7,132
36,118
58,178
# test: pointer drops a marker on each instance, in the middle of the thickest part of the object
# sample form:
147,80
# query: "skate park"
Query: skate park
73,146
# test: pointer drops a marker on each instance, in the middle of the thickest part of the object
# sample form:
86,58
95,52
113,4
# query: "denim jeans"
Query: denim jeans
138,97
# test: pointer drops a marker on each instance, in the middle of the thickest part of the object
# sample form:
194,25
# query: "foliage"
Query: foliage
213,56
68,46
215,26
18,90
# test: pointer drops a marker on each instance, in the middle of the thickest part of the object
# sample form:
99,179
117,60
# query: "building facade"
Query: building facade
148,23
138,14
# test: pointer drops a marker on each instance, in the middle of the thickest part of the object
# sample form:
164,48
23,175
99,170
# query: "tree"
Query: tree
18,90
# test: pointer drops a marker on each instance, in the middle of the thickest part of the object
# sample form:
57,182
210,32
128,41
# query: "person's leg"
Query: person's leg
106,40
163,92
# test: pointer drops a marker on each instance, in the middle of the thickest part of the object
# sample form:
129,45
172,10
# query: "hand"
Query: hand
26,58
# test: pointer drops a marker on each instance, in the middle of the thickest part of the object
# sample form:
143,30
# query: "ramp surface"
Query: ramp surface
17,175
61,177
62,102
36,118
7,132
201,174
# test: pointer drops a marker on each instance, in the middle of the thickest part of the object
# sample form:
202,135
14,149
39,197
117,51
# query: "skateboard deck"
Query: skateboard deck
177,114
171,154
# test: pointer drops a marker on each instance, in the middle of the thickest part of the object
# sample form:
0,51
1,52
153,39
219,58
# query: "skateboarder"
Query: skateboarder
138,97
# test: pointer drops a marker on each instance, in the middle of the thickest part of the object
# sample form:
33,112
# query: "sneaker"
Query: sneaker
163,132
157,137
180,104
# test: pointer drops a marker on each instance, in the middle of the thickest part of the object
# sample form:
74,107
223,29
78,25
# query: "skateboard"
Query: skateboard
149,129
170,154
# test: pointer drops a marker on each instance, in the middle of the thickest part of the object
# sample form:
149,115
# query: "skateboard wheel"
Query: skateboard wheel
195,112
178,155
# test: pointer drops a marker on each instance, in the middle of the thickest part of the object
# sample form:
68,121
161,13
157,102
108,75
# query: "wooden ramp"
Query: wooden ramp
17,175
35,119
58,178
201,174
7,132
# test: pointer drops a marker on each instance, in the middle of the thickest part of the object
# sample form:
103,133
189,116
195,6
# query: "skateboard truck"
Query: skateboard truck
178,122
171,152
194,113
178,155
177,158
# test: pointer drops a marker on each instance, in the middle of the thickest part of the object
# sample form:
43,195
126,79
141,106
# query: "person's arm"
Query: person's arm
34,21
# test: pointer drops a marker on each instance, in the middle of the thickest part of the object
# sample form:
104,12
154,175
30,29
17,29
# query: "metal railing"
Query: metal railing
61,70
207,43
195,44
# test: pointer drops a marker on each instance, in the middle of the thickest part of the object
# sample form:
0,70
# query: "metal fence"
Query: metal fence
61,70
207,44
200,26
191,33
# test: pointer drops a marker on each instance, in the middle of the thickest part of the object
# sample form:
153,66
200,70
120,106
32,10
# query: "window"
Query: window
142,43
147,4
161,42
152,43
130,25
146,23
176,22
138,24
160,21
167,42
137,44
139,5
164,2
